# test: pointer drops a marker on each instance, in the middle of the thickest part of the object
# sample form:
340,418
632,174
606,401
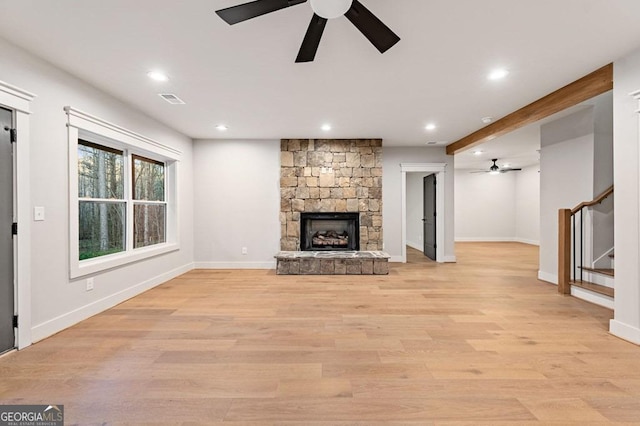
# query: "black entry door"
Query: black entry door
429,216
7,339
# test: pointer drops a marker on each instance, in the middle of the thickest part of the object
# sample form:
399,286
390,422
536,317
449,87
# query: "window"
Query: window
123,196
149,206
102,207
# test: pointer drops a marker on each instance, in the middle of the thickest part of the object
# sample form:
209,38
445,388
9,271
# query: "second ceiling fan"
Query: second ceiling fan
369,25
495,169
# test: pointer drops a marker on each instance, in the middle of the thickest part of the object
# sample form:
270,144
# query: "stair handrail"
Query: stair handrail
565,246
599,199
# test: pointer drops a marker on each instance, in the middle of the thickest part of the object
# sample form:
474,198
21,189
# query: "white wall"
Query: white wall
246,173
626,323
415,210
566,179
527,200
392,157
602,215
576,166
485,206
237,204
56,301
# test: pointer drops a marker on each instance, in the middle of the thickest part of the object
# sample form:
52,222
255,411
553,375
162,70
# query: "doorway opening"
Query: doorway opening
413,229
7,274
18,102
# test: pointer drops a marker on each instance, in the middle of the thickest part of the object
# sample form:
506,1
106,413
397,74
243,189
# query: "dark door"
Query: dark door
7,340
429,216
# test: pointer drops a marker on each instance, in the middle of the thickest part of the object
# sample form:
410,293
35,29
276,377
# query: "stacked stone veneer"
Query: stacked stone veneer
342,175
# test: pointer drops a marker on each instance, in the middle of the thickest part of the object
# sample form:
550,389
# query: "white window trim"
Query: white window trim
101,131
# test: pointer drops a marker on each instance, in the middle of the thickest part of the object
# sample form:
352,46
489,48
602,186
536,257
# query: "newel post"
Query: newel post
564,251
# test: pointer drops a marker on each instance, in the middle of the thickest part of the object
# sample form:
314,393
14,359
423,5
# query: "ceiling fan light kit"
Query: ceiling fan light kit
330,9
366,22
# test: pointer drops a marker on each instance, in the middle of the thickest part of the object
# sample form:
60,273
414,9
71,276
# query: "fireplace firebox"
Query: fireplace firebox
329,231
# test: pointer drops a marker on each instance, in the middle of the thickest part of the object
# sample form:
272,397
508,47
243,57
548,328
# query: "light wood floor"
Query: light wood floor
480,342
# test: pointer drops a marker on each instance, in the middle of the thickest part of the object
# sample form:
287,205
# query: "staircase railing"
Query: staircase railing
567,245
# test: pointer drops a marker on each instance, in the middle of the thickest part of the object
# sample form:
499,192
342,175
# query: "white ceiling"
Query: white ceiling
245,76
520,148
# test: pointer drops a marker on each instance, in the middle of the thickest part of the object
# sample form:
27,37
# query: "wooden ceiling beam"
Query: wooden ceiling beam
594,84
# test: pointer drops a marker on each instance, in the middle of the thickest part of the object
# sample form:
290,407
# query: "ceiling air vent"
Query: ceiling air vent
432,143
172,99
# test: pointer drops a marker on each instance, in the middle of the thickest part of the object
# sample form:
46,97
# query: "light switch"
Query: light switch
38,214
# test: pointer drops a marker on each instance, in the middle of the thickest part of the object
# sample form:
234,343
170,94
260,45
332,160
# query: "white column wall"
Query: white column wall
566,179
626,323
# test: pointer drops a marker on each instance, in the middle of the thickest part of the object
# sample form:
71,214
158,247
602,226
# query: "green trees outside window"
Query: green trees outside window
149,206
105,206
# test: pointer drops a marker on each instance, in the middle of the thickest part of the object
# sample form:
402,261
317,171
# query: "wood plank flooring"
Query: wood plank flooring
480,342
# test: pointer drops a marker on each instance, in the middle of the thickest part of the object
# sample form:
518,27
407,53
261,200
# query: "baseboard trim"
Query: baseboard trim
592,297
415,245
550,278
624,331
236,265
496,240
55,325
450,259
485,239
396,259
526,241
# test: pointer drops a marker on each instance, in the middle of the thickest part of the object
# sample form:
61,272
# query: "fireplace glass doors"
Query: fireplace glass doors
330,231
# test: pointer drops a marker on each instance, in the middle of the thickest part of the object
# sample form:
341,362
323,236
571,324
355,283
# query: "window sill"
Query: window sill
103,263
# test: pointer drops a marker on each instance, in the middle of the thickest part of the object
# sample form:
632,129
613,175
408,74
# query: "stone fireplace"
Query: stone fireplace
331,176
329,231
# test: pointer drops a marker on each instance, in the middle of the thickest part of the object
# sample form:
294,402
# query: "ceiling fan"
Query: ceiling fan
495,169
369,25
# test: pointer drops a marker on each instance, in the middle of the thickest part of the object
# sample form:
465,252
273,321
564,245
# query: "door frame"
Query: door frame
19,101
439,170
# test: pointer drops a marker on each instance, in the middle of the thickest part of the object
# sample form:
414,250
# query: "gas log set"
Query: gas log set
330,239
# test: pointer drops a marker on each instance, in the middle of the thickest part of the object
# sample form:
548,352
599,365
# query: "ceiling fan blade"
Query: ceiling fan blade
510,170
373,29
311,40
242,12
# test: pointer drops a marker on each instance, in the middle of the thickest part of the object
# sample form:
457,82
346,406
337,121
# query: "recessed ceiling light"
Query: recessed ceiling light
478,152
326,127
430,126
498,74
487,120
222,127
157,76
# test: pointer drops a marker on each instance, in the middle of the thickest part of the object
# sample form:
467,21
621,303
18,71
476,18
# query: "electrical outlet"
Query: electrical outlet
244,250
89,284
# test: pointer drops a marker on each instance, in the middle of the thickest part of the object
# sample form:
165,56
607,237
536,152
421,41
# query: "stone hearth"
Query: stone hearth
332,263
